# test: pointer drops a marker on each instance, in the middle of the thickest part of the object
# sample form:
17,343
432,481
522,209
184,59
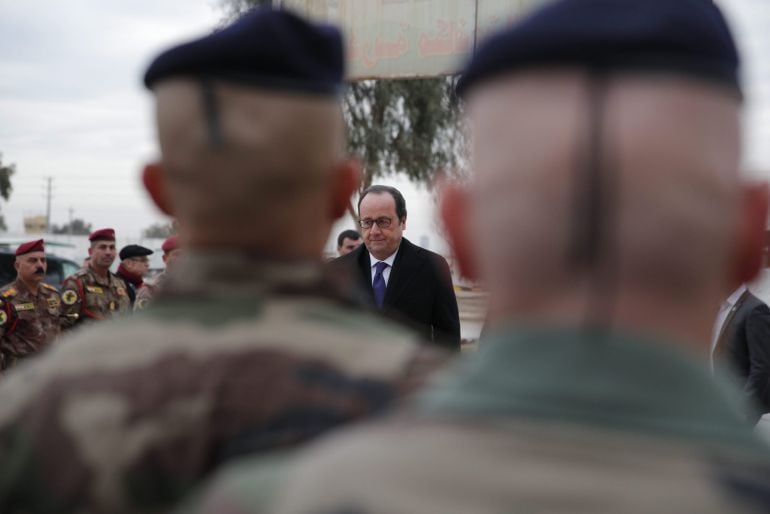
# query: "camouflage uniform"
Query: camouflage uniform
536,421
239,356
28,321
87,296
148,291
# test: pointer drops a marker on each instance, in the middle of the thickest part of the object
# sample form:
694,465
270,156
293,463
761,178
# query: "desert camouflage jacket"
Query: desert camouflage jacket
148,291
86,296
238,357
555,421
28,321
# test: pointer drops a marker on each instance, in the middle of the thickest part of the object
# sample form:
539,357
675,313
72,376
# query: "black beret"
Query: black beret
263,48
689,37
134,251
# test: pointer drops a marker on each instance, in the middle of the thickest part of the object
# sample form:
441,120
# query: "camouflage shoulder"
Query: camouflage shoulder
49,287
252,484
75,277
8,291
357,319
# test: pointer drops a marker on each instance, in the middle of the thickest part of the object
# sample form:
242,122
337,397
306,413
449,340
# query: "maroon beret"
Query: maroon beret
170,244
103,234
32,246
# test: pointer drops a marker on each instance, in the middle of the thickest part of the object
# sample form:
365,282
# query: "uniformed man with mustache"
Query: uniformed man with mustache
30,309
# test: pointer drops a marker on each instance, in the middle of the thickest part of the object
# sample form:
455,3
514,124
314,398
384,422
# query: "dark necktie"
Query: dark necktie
379,283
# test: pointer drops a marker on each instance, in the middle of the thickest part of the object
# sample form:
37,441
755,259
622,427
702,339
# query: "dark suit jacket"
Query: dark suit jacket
419,292
744,347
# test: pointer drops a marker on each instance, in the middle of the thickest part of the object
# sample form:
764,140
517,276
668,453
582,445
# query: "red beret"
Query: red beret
103,234
32,246
170,244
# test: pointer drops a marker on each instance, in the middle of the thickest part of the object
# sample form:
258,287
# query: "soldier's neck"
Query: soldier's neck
31,287
100,271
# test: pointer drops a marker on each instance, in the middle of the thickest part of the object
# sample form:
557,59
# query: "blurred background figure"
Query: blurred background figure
171,254
94,293
347,241
30,309
248,347
134,265
608,220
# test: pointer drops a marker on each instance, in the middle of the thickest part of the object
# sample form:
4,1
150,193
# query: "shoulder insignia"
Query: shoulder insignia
12,291
94,289
69,297
49,286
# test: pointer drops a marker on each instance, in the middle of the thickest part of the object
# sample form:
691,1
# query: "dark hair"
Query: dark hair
347,234
392,191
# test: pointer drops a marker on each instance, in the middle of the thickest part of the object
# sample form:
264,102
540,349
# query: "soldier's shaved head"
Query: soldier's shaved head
279,168
669,150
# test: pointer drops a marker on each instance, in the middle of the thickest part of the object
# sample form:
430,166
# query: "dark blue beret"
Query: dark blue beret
263,48
689,37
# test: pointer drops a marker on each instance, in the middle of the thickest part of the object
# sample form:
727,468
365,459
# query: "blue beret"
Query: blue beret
263,48
689,37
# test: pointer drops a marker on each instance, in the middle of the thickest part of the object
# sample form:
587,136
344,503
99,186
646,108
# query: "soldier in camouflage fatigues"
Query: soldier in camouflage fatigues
171,254
30,309
248,348
94,292
608,219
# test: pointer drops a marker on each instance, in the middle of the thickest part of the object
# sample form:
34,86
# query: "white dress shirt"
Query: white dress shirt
386,272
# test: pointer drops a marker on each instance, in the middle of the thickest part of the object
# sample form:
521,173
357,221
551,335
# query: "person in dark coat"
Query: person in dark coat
134,264
401,279
742,348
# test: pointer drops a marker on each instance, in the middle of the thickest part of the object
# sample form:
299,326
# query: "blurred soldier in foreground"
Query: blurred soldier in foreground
171,254
94,292
134,264
608,220
248,348
30,309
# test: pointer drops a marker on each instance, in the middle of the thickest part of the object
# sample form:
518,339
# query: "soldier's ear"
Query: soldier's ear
155,183
750,240
454,210
346,179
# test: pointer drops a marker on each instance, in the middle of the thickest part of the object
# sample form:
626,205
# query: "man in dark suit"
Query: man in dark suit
403,280
742,347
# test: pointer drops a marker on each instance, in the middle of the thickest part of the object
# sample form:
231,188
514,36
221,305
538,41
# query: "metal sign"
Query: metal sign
410,38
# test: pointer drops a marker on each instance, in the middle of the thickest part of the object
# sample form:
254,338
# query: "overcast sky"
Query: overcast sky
72,106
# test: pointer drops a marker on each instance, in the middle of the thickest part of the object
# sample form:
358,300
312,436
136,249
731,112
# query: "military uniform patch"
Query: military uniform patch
69,297
121,291
3,318
94,289
24,307
141,303
53,302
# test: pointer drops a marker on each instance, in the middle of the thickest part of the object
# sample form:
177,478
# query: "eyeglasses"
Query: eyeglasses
381,222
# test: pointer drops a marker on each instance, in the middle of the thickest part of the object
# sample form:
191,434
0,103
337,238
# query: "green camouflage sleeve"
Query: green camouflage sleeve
249,485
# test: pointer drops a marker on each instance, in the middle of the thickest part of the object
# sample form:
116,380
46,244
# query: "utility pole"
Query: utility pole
49,193
69,230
